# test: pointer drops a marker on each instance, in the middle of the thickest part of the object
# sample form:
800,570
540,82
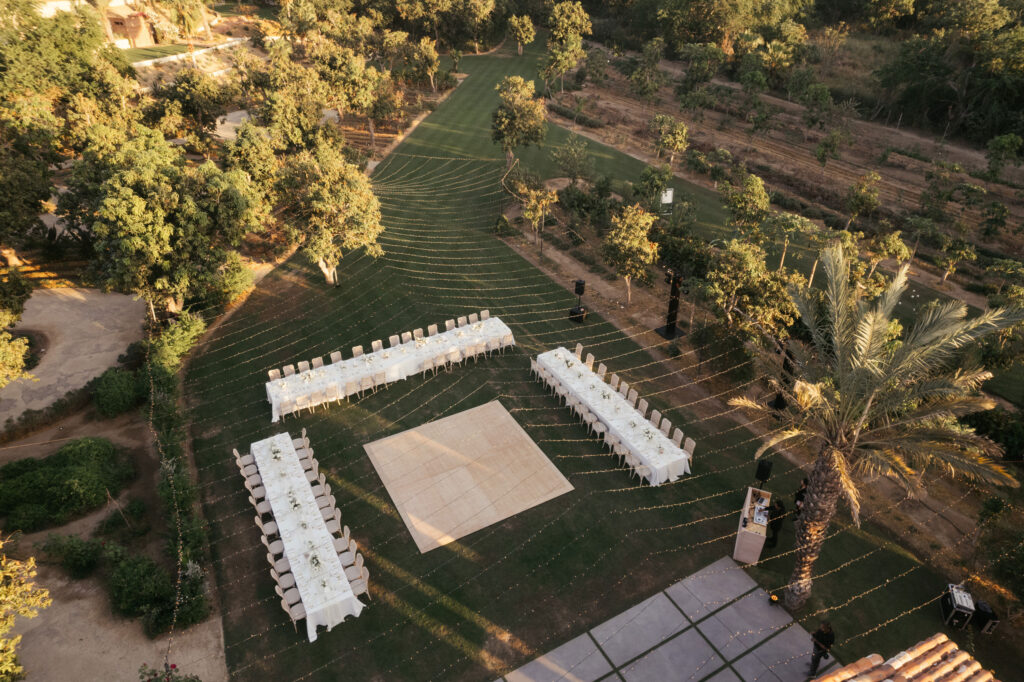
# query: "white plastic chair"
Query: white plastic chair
289,370
393,340
303,366
677,437
641,407
274,374
449,325
377,345
485,314
417,333
601,371
357,351
335,356
406,337
318,362
432,330
474,318
579,350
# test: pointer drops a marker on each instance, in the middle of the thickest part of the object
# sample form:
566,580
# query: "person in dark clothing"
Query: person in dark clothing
776,514
822,639
798,498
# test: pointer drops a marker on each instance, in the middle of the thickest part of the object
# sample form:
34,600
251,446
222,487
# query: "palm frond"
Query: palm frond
837,302
780,437
746,403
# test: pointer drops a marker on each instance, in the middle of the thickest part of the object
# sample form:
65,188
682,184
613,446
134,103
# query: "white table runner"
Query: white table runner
397,363
308,545
665,460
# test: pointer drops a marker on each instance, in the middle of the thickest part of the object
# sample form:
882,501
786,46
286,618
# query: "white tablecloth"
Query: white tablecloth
308,545
397,363
665,460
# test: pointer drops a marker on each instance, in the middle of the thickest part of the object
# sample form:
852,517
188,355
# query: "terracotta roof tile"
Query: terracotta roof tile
936,659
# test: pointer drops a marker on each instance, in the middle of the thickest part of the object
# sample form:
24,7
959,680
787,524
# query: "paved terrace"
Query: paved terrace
715,625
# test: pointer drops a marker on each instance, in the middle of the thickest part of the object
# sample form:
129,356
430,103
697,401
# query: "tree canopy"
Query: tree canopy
519,120
628,247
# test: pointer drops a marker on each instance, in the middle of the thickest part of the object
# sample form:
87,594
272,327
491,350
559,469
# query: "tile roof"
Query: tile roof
936,659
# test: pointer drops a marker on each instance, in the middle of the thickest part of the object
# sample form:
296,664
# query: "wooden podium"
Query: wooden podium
753,526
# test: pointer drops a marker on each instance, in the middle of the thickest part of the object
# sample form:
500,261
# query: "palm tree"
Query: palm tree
876,405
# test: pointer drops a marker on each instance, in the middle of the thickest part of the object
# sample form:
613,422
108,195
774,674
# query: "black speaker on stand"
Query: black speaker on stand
579,313
764,471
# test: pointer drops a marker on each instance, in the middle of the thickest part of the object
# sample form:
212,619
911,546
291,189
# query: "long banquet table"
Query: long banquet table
309,547
397,363
665,460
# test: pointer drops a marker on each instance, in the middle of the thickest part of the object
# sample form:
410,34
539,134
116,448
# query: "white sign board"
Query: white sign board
666,196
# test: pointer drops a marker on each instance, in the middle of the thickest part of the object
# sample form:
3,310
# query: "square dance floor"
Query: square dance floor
462,473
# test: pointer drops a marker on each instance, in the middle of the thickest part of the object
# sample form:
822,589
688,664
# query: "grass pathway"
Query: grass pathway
486,604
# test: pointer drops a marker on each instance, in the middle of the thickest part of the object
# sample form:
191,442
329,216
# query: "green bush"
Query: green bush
115,392
79,557
232,280
170,347
139,585
36,493
581,118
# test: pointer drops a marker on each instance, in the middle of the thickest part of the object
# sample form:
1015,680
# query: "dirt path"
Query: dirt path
86,329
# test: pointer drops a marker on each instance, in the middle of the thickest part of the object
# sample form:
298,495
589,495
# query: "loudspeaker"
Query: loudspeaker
764,470
578,314
580,287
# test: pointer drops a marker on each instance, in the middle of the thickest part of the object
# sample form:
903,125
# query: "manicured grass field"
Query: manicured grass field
139,54
499,597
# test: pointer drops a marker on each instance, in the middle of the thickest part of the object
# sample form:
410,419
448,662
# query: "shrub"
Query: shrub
232,280
139,585
1003,427
581,118
115,392
697,161
79,557
170,347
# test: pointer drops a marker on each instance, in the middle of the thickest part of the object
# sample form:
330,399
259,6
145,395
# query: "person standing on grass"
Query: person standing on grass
822,639
776,514
798,499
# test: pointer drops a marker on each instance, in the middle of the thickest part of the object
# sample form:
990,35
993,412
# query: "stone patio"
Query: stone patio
715,625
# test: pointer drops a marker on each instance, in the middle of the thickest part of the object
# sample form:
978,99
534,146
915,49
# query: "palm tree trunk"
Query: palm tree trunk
819,507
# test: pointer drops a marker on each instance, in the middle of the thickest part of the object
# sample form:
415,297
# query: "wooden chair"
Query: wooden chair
454,357
332,393
393,340
601,371
449,325
677,438
274,374
462,321
289,370
295,611
631,398
417,333
579,351
432,330
655,418
357,351
589,362
688,446
335,356
474,318
485,314
614,382
351,388
406,337
624,389
303,366
365,384
641,407
428,366
318,362
666,426
377,345
285,580
379,379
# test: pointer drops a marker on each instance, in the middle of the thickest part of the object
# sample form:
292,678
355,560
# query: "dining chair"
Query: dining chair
362,585
335,356
248,469
319,398
462,320
274,374
677,437
474,318
485,314
623,389
280,565
689,445
417,333
357,351
428,366
341,544
302,441
493,344
355,571
601,371
611,441
269,528
276,547
351,388
295,611
333,525
579,350
598,429
655,418
326,501
377,345
449,325
432,330
365,384
332,393
454,358
406,337
243,460
534,368
631,398
318,362
641,407
379,379
303,366
313,472
393,340
589,361
286,408
614,382
289,370
348,552
285,580
644,472
506,341
666,426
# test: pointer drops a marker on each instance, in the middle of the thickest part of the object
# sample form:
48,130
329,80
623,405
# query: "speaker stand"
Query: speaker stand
668,332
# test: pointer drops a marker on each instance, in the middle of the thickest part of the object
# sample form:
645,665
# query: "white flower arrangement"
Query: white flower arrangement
420,343
385,355
307,377
632,425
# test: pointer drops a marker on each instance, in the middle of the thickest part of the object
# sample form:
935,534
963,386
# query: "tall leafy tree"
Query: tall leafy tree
22,597
1004,149
628,247
748,204
332,208
573,158
568,23
15,290
426,61
745,294
868,406
672,136
647,78
862,197
522,31
254,152
887,244
519,119
782,227
703,61
199,99
536,204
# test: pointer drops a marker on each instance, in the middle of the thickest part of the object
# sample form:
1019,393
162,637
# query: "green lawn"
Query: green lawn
499,597
138,54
